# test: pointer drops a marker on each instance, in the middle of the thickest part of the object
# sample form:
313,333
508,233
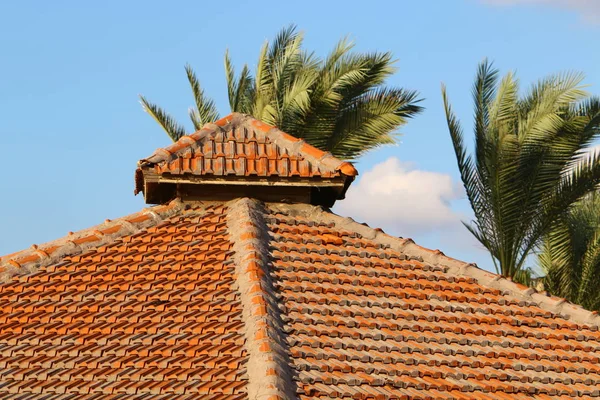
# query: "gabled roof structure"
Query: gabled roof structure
249,158
243,298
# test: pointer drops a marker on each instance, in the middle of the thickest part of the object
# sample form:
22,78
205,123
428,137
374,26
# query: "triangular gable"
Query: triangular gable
240,150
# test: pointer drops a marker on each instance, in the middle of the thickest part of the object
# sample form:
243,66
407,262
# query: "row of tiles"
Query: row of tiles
344,343
117,322
244,167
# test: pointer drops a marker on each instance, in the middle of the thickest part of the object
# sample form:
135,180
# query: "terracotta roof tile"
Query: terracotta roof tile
244,300
144,314
241,147
367,320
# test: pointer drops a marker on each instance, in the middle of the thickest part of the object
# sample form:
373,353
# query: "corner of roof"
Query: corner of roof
228,118
556,305
37,256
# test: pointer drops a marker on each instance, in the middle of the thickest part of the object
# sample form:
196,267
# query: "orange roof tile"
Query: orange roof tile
243,299
151,313
379,317
239,146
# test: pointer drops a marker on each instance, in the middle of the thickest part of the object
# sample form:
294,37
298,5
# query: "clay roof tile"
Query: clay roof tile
241,148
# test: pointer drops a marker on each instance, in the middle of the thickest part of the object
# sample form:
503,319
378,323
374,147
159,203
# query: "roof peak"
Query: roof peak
239,156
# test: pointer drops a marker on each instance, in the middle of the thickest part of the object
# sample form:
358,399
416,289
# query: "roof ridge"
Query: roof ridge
556,305
36,256
270,376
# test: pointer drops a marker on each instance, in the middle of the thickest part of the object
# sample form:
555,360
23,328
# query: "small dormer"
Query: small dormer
239,156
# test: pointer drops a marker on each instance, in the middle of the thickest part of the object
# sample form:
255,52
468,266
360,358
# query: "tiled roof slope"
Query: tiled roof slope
149,315
274,301
370,316
239,145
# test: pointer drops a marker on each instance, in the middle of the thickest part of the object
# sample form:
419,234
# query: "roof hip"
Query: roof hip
269,372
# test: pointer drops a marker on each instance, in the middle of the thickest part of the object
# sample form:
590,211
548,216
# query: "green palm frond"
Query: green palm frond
283,40
206,110
371,120
503,109
570,254
339,104
231,82
474,183
526,167
167,122
589,108
239,89
541,108
348,92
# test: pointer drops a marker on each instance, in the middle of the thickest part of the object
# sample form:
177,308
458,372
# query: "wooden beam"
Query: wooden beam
244,181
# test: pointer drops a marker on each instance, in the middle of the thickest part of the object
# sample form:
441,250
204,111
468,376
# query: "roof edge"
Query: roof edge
556,305
37,256
270,376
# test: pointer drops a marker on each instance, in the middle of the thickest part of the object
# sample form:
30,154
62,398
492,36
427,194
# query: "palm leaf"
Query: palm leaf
371,121
338,104
206,110
525,170
167,122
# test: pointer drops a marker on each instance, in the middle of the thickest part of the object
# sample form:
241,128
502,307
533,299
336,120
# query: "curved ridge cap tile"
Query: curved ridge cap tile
260,126
309,149
347,168
559,306
269,372
75,242
284,136
225,120
337,165
167,153
159,155
182,143
326,159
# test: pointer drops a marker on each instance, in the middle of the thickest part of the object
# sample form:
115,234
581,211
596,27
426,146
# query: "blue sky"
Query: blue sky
72,129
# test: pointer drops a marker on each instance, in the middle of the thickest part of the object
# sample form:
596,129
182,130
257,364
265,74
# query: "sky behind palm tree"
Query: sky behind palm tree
72,128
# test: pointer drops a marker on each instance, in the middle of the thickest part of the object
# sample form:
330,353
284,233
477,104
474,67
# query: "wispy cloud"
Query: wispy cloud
588,9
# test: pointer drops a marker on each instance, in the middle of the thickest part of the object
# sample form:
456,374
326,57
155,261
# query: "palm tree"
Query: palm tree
570,255
524,171
338,104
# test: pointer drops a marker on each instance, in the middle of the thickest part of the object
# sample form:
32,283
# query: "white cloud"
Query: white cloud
394,195
409,202
589,9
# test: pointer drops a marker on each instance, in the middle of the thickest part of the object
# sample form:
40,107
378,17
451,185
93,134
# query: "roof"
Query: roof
240,149
251,300
153,311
